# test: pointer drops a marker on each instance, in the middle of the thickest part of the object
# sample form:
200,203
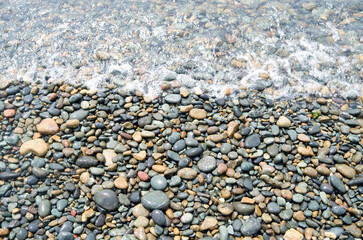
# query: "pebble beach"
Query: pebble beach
205,120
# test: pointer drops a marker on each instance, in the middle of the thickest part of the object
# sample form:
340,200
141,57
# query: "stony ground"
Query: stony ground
109,164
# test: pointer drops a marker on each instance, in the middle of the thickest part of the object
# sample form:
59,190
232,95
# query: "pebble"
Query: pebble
86,162
250,227
337,183
283,122
207,164
48,126
346,171
44,208
158,182
198,113
38,147
155,200
252,141
187,173
209,223
292,234
106,199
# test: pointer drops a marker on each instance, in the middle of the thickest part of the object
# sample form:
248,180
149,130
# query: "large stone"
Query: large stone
155,200
198,113
86,162
48,126
37,147
106,199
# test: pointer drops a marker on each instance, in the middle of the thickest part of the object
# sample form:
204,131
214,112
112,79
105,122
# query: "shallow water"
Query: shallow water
286,47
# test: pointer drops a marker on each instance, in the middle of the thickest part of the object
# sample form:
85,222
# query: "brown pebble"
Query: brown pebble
48,126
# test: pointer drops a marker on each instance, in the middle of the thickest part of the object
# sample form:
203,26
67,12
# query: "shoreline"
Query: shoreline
81,164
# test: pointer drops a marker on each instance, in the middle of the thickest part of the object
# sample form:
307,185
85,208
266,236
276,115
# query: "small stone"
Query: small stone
140,234
303,137
106,199
48,126
198,113
44,208
337,184
243,208
4,232
292,234
158,182
158,217
283,122
121,182
305,151
250,227
72,123
353,230
232,128
186,218
141,221
109,155
173,98
209,223
252,141
311,172
225,208
207,164
140,155
140,210
37,147
187,173
143,176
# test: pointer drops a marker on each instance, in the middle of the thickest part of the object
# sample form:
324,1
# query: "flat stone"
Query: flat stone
302,137
155,200
72,123
292,234
173,98
79,114
346,171
208,223
48,126
37,147
86,162
250,227
353,230
327,188
9,113
140,210
109,154
311,172
232,128
244,209
187,173
141,221
225,208
273,207
140,155
207,164
158,217
187,218
252,141
283,122
198,113
121,182
106,199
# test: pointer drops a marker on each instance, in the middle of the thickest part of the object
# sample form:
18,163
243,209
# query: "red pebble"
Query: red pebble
143,176
52,96
65,143
74,213
9,113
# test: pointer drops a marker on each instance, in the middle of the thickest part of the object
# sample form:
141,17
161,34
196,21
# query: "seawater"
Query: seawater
288,47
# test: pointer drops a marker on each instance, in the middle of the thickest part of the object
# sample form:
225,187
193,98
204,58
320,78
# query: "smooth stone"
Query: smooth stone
62,204
179,145
337,183
314,129
86,162
327,188
283,122
79,114
346,171
65,236
173,98
244,209
186,218
250,227
158,217
33,226
198,113
44,208
158,182
252,141
22,234
207,164
339,210
223,232
187,173
155,200
106,199
48,126
194,152
37,147
226,148
273,207
286,214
